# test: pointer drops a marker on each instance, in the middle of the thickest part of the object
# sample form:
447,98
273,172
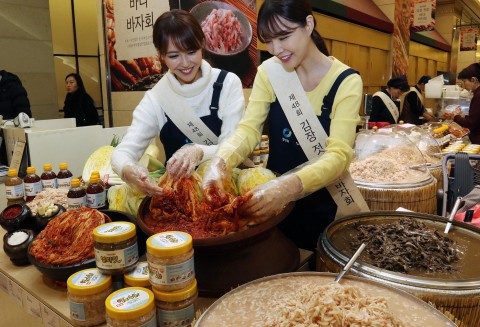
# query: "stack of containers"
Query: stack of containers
172,276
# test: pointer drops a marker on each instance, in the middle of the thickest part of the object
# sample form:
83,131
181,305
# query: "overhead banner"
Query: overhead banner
468,38
133,60
422,15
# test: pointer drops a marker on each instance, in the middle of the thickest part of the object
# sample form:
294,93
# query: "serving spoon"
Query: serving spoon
350,262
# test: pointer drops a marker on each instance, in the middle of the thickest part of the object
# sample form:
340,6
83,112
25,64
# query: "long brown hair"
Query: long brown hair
295,11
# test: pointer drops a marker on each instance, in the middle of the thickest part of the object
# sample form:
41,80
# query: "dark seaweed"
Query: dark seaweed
406,245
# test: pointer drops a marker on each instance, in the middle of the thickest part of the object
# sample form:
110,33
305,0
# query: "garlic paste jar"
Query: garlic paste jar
176,308
87,291
116,249
131,307
138,276
170,260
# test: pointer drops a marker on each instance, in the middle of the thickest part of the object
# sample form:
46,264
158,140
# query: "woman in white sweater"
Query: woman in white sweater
182,108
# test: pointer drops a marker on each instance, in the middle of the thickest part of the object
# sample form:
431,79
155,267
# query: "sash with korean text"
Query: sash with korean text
392,108
311,135
182,115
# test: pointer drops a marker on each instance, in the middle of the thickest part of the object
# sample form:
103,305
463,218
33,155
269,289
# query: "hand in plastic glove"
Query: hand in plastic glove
272,197
184,161
213,182
137,177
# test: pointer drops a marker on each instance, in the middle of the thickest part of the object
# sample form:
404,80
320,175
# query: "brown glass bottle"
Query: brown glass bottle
14,188
33,184
64,176
76,196
95,193
48,177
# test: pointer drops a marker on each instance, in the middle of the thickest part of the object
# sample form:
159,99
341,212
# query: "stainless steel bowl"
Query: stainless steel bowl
202,10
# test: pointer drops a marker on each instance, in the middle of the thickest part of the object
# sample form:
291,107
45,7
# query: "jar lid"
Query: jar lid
47,167
114,232
63,165
175,296
170,243
129,303
139,276
88,282
31,170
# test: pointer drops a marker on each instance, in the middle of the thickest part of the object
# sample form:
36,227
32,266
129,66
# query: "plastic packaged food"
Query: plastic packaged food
131,307
76,196
64,176
138,276
48,177
87,291
176,308
116,249
14,189
32,183
170,260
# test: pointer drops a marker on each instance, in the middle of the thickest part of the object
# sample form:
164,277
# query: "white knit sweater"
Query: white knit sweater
149,117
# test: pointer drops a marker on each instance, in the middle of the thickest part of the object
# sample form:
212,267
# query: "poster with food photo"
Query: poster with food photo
230,30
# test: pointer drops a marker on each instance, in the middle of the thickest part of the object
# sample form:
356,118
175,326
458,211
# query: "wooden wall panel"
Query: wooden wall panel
339,50
378,73
357,58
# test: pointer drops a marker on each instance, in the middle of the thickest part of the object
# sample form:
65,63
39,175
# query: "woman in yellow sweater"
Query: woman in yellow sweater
299,82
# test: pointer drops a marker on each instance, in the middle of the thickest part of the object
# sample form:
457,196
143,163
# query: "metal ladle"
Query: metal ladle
350,262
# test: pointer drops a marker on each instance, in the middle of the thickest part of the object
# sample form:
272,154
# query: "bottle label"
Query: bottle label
117,259
182,317
171,274
77,311
32,189
75,203
64,182
49,183
96,200
14,191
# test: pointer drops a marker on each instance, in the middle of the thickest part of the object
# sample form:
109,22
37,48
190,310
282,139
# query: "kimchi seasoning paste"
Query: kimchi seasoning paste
116,249
170,260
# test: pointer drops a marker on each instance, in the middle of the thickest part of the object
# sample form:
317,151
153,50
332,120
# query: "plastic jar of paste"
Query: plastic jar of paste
116,249
131,307
170,260
176,308
138,276
87,291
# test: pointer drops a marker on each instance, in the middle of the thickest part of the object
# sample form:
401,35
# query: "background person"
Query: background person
287,27
470,77
385,104
13,96
412,104
186,90
78,103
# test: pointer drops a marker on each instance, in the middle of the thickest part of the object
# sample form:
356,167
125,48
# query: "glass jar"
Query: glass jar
138,276
131,307
116,249
170,260
176,308
87,291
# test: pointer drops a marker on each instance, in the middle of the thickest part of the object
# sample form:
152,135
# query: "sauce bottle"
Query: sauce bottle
48,177
64,176
14,189
76,196
95,193
33,184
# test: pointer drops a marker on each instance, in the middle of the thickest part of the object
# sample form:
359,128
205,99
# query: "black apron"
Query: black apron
313,213
173,138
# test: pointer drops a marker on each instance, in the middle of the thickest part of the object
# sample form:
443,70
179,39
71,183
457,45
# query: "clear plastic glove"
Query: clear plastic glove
137,177
184,161
213,183
270,198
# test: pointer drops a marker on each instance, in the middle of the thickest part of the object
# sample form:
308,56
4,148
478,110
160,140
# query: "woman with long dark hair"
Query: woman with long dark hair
310,102
78,103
